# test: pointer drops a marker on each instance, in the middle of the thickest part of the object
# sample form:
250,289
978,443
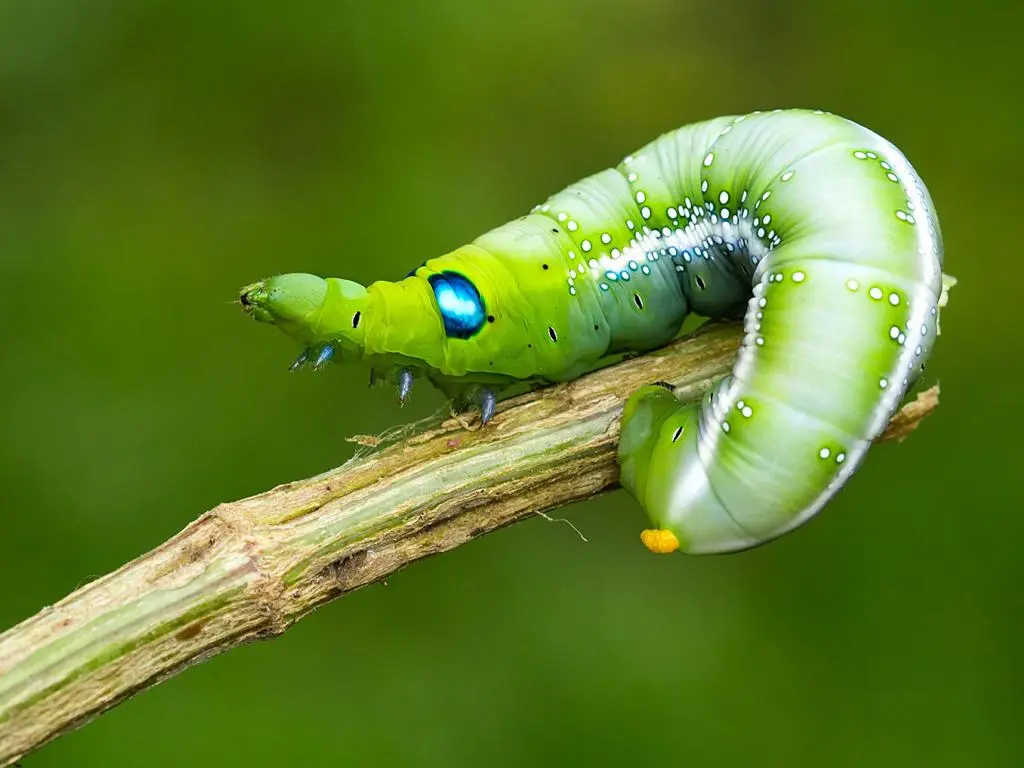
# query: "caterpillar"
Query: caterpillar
815,230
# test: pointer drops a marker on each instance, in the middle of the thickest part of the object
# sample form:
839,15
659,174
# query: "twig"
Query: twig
247,570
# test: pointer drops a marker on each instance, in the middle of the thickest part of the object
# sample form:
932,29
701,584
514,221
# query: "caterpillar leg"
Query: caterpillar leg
323,357
405,379
319,356
662,469
463,398
488,402
645,409
402,377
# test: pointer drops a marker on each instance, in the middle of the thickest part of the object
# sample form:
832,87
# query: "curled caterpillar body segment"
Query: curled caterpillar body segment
815,230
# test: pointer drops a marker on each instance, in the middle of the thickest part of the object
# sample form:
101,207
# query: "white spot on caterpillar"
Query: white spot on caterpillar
894,332
606,238
585,245
798,277
709,159
853,285
631,177
875,293
747,411
640,197
787,175
572,254
672,213
824,453
704,186
725,426
894,299
860,155
645,212
840,458
723,197
562,216
892,176
572,226
883,383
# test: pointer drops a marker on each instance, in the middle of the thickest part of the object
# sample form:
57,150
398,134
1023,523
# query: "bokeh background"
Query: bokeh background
155,155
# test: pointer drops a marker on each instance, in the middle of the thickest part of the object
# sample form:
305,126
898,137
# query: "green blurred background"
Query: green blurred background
155,155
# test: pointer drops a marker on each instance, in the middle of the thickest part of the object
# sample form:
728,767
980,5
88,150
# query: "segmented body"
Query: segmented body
814,229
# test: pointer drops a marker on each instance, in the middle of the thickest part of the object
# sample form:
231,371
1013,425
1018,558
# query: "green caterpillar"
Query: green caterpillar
814,229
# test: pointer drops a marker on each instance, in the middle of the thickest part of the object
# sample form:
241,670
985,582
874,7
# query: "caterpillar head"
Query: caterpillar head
310,309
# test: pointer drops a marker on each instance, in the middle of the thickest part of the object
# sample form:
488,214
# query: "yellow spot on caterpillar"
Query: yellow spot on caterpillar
659,541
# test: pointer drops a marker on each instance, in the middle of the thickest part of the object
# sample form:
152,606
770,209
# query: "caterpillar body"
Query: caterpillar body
814,229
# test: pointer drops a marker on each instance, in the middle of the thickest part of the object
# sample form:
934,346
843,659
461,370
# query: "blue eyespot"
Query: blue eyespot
462,308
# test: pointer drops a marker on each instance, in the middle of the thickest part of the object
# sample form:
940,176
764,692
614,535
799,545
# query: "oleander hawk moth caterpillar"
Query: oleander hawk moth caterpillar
814,229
